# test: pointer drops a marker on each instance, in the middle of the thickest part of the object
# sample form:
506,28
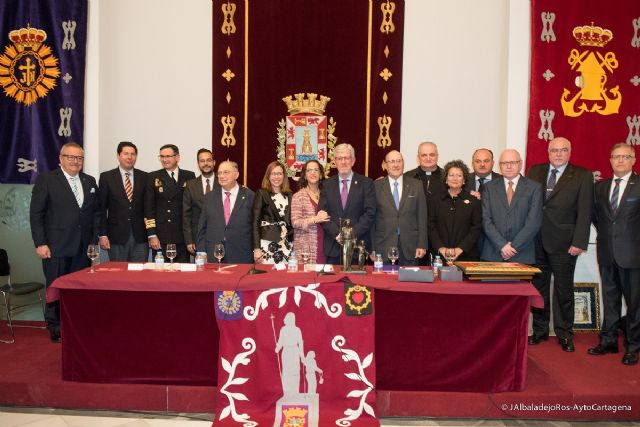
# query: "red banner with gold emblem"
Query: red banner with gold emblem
585,80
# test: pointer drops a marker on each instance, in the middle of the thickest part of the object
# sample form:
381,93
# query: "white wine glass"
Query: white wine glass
393,255
93,252
218,253
171,253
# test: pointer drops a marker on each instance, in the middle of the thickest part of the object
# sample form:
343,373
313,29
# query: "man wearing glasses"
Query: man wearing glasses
163,203
64,220
617,219
566,223
511,213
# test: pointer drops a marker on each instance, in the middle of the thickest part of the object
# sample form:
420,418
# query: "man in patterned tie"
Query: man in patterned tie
617,219
122,194
64,220
227,217
194,197
566,224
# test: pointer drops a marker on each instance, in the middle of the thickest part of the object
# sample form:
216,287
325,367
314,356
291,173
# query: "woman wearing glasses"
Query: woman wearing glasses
455,217
272,231
305,217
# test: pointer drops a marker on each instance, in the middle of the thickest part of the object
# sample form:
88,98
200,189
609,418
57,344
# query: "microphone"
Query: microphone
253,270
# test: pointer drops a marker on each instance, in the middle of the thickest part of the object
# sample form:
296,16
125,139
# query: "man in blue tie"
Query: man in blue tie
401,213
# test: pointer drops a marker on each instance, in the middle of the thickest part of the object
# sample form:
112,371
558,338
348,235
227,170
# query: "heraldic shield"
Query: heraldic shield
306,134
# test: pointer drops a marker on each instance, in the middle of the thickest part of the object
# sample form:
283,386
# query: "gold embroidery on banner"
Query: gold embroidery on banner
385,98
228,27
367,124
245,130
386,51
386,74
311,105
228,75
384,139
228,52
228,98
228,140
387,17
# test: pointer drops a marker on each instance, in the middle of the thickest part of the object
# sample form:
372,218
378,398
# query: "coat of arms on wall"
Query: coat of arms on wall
306,134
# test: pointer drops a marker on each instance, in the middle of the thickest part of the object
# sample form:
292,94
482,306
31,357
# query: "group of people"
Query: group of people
541,219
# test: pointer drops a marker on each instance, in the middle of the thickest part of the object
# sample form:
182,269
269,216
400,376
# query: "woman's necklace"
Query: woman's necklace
315,195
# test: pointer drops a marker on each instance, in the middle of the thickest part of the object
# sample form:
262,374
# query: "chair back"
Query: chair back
5,270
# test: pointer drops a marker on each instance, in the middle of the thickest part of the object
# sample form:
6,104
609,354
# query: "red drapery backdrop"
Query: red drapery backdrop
264,51
585,80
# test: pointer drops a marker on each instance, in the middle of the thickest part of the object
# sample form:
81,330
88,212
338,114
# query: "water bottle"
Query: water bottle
292,265
378,263
159,259
201,259
437,265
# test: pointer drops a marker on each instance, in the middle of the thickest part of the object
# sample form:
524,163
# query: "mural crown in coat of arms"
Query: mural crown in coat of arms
588,35
27,37
311,105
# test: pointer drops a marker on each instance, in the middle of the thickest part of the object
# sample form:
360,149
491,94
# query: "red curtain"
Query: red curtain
585,80
263,51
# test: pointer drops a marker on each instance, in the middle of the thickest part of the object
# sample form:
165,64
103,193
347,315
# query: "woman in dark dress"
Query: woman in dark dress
455,217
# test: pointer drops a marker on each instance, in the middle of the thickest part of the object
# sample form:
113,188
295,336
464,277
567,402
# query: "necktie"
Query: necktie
396,195
344,193
227,207
208,189
128,188
510,193
552,182
614,195
173,176
76,192
480,184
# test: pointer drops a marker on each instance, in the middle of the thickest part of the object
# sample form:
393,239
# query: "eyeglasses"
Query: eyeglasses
622,157
70,157
310,170
394,161
343,158
161,157
559,150
511,164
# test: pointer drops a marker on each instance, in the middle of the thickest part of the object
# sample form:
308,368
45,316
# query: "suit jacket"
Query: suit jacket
517,223
410,217
163,205
56,219
360,208
470,185
235,235
433,187
118,216
566,213
265,210
618,233
192,201
455,224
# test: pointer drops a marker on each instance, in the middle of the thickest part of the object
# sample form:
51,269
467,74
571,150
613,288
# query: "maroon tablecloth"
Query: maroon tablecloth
160,327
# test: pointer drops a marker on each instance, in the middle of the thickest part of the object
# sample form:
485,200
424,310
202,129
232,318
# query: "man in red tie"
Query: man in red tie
227,217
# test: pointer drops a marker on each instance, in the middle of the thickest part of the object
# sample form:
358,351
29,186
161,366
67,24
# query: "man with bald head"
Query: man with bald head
511,213
566,223
428,171
401,213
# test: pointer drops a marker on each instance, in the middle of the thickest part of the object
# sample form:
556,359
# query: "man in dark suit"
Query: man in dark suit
511,213
401,213
64,220
194,197
428,170
617,219
482,163
122,227
227,217
346,195
566,223
163,204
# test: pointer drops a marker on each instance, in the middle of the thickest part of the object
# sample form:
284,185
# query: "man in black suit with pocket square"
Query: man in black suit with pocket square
564,235
617,219
346,195
64,220
122,227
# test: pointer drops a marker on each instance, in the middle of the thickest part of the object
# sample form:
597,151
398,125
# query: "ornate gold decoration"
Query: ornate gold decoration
228,140
592,66
386,74
228,98
228,52
384,123
385,97
228,75
356,289
387,17
386,51
228,26
28,69
311,105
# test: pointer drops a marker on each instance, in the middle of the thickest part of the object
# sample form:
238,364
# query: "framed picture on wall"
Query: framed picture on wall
587,307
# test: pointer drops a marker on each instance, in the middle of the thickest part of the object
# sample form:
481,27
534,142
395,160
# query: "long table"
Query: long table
122,326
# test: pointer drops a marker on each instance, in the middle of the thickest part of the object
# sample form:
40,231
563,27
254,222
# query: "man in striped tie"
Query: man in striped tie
122,226
64,220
